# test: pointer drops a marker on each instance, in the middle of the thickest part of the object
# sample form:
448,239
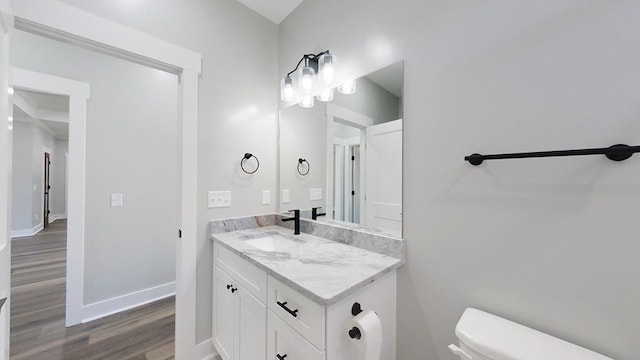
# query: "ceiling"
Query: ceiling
274,10
390,78
46,101
46,111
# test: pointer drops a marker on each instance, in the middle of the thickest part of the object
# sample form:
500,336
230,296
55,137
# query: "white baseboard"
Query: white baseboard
54,217
27,232
125,302
206,351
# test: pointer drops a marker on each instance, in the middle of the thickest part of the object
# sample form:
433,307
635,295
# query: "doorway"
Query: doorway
91,31
346,172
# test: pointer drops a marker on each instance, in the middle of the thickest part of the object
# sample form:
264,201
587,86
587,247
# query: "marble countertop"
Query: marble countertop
325,271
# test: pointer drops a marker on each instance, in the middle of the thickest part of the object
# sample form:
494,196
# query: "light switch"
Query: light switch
266,197
219,199
116,200
315,194
285,196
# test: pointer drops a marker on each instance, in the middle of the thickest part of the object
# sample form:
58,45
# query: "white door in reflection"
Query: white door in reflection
338,181
384,176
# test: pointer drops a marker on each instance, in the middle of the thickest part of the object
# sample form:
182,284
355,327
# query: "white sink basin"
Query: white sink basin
272,242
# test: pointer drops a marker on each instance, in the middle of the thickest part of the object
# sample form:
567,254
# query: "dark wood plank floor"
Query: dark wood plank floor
38,307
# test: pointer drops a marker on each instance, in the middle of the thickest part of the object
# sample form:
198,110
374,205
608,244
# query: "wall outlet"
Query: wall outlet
285,196
219,199
116,200
315,194
266,197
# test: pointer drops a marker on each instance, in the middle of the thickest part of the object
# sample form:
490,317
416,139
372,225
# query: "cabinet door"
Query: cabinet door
224,311
285,343
252,327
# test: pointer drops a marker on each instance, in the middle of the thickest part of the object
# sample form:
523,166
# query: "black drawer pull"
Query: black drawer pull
229,286
281,357
283,305
234,290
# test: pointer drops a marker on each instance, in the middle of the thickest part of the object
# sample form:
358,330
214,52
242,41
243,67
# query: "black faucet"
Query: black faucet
296,219
315,214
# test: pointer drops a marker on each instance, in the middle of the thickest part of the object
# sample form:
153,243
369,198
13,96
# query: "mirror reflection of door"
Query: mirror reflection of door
346,173
355,184
47,188
338,181
384,176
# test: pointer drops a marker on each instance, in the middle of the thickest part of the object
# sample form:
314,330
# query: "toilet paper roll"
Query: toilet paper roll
368,337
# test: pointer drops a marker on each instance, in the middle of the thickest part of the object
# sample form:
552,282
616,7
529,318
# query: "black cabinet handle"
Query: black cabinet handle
229,287
283,305
234,290
281,357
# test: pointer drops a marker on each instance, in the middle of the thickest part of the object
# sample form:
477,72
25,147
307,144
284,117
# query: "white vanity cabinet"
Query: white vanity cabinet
258,317
321,331
239,324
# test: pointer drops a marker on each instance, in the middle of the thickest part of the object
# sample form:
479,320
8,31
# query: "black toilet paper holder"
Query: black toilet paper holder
355,333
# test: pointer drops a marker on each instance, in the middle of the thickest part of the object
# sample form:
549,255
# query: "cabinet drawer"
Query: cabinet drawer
302,314
285,342
246,274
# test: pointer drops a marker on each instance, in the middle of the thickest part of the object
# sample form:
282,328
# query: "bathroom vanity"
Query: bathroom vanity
282,296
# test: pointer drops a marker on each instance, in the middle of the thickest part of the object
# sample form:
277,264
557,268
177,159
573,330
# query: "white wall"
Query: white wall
29,145
342,131
238,104
371,100
22,190
58,195
131,149
551,243
303,135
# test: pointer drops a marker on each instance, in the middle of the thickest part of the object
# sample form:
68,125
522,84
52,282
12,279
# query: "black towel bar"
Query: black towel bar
617,152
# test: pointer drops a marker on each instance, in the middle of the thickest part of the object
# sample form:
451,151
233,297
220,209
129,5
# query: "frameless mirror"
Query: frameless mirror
345,156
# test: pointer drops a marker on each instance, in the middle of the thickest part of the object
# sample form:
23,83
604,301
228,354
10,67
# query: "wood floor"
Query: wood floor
38,309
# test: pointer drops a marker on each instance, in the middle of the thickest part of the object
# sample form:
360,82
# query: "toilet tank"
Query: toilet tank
484,336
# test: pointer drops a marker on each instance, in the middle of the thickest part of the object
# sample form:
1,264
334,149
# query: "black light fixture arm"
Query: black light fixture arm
313,61
617,152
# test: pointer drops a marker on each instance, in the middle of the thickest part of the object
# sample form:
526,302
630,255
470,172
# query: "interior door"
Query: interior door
355,184
383,189
47,188
6,128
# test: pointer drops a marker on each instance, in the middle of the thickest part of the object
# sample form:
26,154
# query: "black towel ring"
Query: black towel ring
300,161
248,156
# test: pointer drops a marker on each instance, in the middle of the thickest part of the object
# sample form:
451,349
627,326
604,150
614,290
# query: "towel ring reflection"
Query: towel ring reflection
248,156
300,162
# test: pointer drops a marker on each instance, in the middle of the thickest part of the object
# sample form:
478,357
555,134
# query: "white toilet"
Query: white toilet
484,336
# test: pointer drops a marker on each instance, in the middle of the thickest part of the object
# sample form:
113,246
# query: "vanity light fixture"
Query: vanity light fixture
314,80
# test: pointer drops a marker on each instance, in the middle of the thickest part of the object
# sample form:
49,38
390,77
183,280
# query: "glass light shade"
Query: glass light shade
286,89
307,78
326,95
326,69
348,87
307,102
